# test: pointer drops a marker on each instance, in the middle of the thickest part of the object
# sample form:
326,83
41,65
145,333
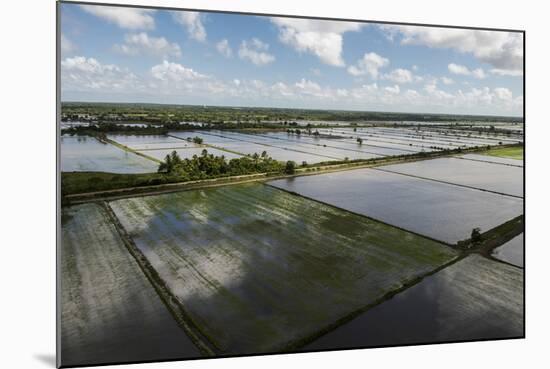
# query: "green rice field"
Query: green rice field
259,270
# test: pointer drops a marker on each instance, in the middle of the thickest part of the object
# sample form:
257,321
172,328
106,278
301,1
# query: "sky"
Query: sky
121,54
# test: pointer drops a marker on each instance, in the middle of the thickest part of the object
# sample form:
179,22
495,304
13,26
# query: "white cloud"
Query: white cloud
130,18
66,45
142,43
368,65
447,80
399,75
224,48
177,83
393,90
310,88
502,50
503,93
255,51
192,21
458,69
504,72
319,37
464,71
80,73
168,71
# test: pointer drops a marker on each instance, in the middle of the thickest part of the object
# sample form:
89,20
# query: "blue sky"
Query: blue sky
117,54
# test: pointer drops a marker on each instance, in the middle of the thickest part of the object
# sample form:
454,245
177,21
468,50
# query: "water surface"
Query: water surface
474,299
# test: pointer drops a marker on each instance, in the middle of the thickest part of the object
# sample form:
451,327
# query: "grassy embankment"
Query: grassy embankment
494,237
510,152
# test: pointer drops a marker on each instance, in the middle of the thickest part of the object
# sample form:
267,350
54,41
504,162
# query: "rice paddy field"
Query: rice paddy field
511,252
251,263
109,310
442,211
483,175
336,259
475,298
493,159
87,154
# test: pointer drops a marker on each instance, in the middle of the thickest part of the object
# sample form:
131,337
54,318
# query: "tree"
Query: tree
264,154
197,140
290,167
476,235
359,140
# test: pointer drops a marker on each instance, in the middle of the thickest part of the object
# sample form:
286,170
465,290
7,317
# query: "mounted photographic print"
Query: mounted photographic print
244,184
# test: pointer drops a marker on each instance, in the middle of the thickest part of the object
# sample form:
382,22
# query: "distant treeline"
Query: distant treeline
156,113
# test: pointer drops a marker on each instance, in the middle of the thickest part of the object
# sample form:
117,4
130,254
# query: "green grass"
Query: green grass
81,182
258,269
514,152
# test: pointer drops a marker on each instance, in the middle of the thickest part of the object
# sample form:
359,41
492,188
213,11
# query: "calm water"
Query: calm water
511,251
249,148
473,299
441,211
251,263
109,311
494,177
81,153
494,159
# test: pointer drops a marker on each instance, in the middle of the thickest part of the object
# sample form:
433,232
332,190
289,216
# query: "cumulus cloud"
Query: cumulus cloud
400,75
368,65
192,21
224,48
321,38
129,18
502,50
465,71
255,51
393,89
505,72
168,71
141,43
80,73
178,83
447,80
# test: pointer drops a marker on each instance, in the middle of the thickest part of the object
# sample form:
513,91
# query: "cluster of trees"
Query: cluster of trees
209,166
196,140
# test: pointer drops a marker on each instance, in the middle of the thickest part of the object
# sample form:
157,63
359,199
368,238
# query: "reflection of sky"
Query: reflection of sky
444,212
250,268
473,299
81,153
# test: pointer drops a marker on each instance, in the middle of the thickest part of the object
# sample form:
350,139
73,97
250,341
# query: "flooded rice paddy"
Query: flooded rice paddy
87,154
493,159
511,252
109,310
264,268
442,211
479,174
473,299
251,263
